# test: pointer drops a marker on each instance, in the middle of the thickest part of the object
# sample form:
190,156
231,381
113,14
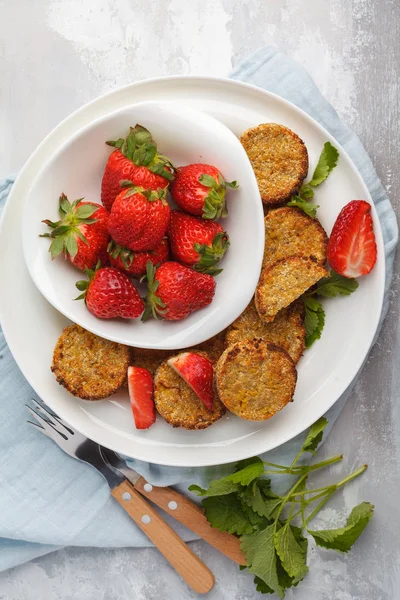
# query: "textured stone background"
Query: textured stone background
56,55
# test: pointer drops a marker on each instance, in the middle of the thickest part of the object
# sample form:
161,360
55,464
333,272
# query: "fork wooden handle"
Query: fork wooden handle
196,574
193,517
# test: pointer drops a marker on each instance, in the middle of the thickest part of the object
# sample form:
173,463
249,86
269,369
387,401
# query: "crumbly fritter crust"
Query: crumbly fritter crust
89,366
255,379
279,159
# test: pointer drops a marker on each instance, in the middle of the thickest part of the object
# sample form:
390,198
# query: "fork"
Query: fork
196,574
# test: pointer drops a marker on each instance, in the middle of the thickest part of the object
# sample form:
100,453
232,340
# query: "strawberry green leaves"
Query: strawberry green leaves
211,255
343,538
141,149
326,163
214,202
64,233
243,503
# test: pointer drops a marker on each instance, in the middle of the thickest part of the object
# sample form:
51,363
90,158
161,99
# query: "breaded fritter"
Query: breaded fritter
279,159
255,379
179,405
213,347
290,232
89,366
282,282
286,330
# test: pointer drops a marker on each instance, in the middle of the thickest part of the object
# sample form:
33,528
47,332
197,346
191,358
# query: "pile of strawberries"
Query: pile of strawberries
135,232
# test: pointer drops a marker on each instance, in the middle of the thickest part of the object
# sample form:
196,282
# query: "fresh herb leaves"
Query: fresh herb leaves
314,318
326,163
275,548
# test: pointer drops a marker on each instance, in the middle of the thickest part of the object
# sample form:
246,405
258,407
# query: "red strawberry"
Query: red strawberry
109,293
351,247
175,291
135,158
200,190
197,243
139,218
134,263
81,235
198,373
140,385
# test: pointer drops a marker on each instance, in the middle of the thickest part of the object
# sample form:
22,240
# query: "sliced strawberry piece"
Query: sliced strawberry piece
352,247
197,371
140,385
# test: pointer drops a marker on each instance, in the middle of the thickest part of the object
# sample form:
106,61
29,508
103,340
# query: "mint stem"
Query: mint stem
290,492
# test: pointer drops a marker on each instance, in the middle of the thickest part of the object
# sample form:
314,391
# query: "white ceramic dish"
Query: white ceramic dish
32,325
186,136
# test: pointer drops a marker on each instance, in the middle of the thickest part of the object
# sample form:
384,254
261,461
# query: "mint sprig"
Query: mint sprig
314,317
326,163
272,527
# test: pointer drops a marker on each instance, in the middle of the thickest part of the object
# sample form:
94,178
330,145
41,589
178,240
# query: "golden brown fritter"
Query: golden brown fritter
255,379
179,405
290,232
286,330
279,159
282,282
88,366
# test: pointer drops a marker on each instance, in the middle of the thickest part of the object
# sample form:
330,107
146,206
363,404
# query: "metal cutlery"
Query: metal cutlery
196,574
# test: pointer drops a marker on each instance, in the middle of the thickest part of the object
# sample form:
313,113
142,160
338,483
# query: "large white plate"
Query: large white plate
32,326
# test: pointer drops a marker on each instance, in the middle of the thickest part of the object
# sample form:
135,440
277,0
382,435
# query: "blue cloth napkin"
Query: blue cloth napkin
47,499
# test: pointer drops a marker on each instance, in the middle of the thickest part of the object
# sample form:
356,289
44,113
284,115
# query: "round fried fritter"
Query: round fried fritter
89,366
279,159
179,405
290,232
286,330
255,379
282,282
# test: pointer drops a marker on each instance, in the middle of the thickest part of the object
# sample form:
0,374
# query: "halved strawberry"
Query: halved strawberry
352,247
140,385
197,371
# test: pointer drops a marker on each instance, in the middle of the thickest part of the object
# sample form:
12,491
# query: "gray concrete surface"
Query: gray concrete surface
56,55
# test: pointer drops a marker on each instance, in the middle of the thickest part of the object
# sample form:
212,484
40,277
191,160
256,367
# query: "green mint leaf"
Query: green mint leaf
335,285
326,163
306,191
226,514
259,550
219,487
314,436
314,319
254,497
249,472
292,556
196,489
343,538
308,208
262,587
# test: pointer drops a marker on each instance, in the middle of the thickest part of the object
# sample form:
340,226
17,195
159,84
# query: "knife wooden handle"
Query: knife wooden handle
193,517
196,574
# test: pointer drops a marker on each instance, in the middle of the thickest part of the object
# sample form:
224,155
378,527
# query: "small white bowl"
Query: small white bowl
185,136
